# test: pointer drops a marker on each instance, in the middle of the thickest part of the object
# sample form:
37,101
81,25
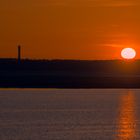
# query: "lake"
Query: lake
69,114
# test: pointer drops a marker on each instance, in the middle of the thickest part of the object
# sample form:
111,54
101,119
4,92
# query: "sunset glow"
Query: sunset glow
69,29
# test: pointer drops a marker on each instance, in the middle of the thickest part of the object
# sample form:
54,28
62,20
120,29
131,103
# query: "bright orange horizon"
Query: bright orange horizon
69,29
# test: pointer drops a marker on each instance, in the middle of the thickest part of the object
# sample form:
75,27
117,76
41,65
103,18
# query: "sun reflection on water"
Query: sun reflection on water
127,126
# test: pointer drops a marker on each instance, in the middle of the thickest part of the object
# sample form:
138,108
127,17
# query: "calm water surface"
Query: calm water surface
70,114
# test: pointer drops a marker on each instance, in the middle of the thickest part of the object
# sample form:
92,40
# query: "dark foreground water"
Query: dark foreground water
69,114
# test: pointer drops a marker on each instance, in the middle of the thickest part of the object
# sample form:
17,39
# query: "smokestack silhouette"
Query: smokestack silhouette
19,54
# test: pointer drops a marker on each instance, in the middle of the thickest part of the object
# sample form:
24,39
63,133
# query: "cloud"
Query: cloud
113,45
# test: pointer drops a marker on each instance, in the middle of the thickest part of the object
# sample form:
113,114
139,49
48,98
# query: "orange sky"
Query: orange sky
69,29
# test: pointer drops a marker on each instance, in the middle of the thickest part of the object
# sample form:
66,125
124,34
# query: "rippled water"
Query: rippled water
70,114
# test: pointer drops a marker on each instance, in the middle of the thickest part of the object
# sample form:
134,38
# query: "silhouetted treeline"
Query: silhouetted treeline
103,66
69,73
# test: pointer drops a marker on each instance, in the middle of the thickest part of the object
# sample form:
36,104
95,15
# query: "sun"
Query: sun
128,53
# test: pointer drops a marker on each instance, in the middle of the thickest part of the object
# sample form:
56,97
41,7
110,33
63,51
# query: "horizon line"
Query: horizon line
59,59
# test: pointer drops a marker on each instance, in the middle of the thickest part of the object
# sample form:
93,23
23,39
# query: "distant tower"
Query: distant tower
19,54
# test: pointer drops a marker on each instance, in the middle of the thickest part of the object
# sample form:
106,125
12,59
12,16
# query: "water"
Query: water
70,114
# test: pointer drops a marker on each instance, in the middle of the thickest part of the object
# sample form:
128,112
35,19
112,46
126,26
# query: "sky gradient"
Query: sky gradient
69,29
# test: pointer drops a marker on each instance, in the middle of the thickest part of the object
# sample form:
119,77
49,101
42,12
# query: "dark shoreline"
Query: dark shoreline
69,74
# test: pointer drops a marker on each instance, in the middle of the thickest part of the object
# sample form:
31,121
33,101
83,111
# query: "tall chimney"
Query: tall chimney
19,54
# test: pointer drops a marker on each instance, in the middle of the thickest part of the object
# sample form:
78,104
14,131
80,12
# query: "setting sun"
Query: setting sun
128,53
